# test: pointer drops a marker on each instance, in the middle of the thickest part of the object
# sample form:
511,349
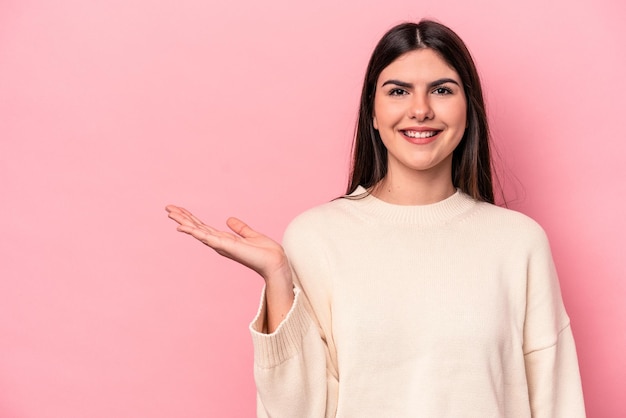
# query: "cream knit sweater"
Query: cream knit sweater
444,310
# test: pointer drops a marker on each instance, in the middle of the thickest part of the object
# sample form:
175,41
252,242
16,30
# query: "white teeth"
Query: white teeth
425,134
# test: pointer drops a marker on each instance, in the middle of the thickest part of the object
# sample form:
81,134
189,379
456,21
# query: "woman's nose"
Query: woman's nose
420,108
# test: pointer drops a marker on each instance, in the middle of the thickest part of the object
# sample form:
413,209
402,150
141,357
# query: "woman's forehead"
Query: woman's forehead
419,64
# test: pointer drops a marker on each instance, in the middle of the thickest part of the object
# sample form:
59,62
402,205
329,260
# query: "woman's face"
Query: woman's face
420,112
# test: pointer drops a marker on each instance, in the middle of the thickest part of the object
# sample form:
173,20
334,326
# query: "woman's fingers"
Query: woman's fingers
191,216
203,235
172,209
244,245
193,226
175,213
184,217
183,220
241,228
227,245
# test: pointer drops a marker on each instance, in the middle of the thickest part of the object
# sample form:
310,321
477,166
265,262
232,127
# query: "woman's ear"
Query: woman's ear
375,122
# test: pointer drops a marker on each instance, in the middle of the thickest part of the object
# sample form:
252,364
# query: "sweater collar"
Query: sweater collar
437,213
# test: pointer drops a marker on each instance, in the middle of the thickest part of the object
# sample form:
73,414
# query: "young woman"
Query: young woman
413,295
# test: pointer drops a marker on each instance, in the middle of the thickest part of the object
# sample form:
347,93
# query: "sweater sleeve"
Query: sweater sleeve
295,366
551,363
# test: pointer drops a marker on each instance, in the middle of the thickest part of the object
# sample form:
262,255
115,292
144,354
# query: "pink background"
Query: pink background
111,109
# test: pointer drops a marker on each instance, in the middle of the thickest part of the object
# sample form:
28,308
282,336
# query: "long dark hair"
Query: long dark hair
471,160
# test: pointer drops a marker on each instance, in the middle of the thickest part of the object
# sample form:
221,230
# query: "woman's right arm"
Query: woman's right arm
251,249
293,371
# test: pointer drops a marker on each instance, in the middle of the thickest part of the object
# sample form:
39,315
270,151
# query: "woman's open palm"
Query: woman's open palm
244,245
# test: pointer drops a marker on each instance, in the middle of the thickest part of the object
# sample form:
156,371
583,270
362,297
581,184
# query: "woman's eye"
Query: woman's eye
397,92
442,90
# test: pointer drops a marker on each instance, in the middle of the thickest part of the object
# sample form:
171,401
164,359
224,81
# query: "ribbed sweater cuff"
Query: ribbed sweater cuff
270,350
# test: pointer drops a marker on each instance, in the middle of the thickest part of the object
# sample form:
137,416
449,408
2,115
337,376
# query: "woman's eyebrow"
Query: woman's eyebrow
398,83
430,85
443,81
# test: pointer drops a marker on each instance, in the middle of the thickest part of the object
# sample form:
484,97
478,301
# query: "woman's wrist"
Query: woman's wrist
279,297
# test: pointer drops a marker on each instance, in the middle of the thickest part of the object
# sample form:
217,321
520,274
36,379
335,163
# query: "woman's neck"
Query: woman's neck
417,189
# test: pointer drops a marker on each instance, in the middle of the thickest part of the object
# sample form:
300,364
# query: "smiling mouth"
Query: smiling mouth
420,135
